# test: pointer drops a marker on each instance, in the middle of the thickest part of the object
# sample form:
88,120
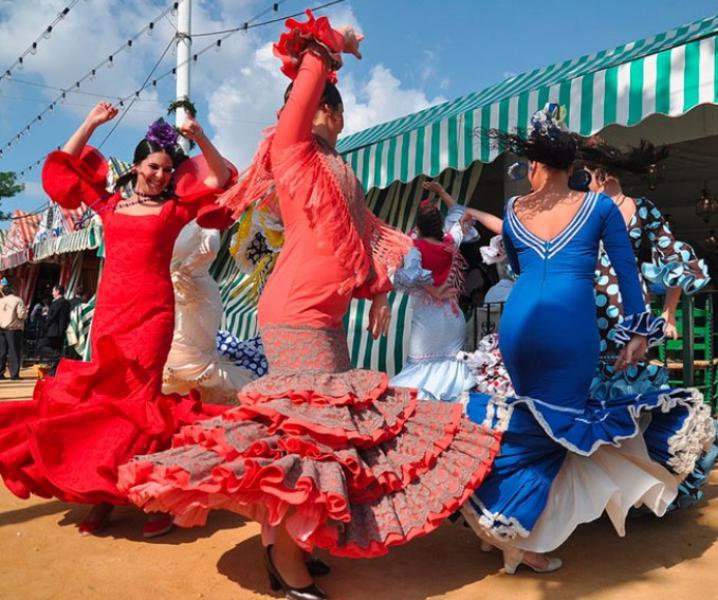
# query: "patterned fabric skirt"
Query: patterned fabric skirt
345,461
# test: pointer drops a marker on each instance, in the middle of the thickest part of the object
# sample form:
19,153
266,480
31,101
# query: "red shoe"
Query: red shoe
157,526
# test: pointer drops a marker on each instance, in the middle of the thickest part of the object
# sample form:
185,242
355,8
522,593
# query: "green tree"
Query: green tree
9,187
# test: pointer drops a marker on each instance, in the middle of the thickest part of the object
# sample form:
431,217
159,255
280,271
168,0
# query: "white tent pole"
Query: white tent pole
184,53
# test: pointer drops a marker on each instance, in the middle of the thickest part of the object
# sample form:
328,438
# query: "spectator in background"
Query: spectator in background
56,322
79,297
12,320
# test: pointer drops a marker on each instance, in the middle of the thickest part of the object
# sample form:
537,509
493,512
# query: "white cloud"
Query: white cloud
241,84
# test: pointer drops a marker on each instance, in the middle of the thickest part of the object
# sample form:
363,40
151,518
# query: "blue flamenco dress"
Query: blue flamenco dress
566,457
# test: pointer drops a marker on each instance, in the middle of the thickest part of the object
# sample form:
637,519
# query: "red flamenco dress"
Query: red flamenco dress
347,462
91,417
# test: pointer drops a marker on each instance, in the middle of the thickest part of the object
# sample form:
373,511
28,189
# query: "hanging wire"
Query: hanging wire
32,48
135,96
149,81
107,62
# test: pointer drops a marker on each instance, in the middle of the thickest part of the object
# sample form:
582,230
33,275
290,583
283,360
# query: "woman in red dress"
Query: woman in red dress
319,453
81,424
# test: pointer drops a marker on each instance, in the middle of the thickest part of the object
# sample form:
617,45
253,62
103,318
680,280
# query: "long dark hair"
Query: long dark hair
596,154
557,149
142,151
428,221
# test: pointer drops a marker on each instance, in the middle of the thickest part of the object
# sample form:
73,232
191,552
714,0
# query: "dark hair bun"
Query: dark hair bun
557,150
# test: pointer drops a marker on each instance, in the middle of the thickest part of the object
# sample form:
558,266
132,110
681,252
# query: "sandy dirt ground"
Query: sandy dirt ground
42,557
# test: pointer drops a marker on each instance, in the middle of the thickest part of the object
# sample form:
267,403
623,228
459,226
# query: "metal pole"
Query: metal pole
184,54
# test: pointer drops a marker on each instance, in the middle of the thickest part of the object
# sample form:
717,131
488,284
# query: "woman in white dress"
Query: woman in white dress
193,361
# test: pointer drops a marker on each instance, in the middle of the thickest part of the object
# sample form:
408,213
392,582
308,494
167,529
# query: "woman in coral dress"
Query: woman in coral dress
321,454
81,424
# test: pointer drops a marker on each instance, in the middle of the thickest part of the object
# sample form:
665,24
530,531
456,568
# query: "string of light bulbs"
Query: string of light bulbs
32,48
107,62
216,45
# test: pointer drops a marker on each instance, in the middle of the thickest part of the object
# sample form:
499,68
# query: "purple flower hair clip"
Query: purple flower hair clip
162,133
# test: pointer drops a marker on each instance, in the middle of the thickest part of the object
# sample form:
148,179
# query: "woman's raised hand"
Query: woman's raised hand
191,129
351,40
100,114
433,186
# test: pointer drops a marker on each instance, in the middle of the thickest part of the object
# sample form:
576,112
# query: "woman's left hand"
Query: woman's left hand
379,316
191,129
631,353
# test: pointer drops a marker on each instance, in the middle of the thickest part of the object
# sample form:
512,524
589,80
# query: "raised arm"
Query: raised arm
491,222
101,113
218,172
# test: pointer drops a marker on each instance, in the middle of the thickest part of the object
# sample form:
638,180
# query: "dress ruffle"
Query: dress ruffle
679,411
443,379
669,430
691,276
45,447
293,43
645,324
487,367
358,466
636,379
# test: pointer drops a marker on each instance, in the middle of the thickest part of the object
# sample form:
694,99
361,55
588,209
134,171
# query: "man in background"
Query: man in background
12,321
56,322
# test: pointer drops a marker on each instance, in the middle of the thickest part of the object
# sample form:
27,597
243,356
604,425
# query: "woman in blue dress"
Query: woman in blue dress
565,458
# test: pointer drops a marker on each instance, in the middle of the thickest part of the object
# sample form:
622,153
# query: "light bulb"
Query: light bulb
150,29
19,63
46,34
33,48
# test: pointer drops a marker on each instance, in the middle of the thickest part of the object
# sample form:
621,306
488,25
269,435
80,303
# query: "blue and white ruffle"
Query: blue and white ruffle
248,354
690,277
645,324
537,435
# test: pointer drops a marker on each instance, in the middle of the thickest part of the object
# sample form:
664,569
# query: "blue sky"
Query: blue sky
416,52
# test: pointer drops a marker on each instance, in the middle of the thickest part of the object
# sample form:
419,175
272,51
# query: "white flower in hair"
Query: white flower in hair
549,121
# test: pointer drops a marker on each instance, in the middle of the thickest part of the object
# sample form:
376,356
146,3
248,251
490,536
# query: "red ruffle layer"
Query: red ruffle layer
352,479
80,425
294,42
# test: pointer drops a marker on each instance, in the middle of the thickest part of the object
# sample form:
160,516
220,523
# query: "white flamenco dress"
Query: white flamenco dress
438,328
193,361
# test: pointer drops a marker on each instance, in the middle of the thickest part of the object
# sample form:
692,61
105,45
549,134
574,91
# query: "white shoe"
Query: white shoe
512,563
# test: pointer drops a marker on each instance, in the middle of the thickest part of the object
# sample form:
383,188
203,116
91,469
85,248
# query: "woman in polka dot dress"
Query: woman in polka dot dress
674,265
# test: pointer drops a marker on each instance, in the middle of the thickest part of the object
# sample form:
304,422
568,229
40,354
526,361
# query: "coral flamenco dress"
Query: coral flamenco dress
347,462
93,416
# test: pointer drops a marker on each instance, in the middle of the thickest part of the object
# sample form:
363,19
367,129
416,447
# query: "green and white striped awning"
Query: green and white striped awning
84,239
397,206
668,74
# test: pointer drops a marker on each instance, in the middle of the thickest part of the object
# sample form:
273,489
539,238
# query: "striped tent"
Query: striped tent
17,243
668,74
396,205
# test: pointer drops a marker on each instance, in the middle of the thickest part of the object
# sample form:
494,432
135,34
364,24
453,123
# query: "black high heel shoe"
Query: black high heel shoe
310,592
317,568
